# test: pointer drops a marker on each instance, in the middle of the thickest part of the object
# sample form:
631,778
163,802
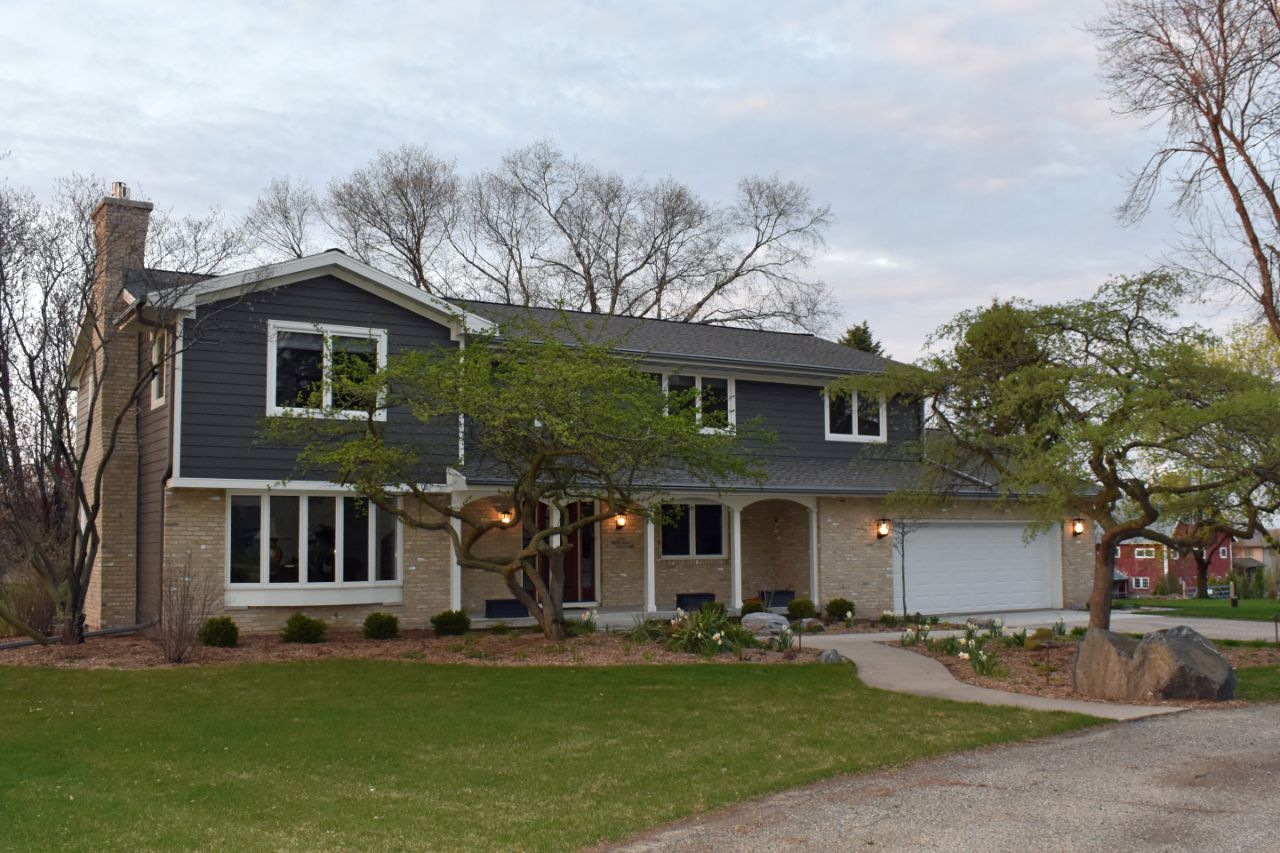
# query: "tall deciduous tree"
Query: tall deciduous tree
63,351
1208,71
1099,408
549,410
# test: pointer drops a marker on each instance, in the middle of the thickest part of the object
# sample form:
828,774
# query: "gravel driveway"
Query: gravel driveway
1199,780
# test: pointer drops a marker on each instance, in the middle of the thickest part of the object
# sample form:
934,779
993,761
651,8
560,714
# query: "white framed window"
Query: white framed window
1140,583
714,398
302,359
848,416
1222,552
307,541
1117,551
693,530
159,349
1144,553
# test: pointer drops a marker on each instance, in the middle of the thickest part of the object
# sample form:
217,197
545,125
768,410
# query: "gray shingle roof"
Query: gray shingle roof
673,340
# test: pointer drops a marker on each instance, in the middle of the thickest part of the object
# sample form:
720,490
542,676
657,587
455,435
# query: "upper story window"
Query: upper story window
304,359
852,417
713,398
159,349
692,530
1222,552
1144,553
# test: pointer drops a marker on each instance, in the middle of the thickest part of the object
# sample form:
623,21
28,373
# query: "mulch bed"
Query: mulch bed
1047,671
479,648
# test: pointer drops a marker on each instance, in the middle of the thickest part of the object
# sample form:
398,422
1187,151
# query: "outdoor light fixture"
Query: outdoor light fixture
882,528
1077,526
505,517
620,520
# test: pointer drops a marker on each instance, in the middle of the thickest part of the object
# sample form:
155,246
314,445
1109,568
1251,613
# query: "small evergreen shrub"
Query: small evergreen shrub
1079,631
801,608
220,632
840,610
302,628
381,626
451,623
752,605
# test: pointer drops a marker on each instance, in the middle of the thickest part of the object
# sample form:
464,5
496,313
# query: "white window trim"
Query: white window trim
693,539
1222,553
1144,552
865,439
159,387
328,330
338,591
1140,583
697,383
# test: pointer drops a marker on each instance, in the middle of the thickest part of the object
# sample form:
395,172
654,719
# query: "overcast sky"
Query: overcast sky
966,148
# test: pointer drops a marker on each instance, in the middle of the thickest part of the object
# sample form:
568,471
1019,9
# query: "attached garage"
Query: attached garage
958,567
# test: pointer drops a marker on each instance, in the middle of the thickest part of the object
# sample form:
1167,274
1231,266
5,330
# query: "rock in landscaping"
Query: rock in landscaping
1179,663
1102,664
1176,663
831,656
762,625
811,626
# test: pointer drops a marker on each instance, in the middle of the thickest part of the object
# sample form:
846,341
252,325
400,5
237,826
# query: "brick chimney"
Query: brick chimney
120,236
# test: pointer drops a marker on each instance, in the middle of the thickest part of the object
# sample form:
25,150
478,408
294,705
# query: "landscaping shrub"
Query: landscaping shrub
220,632
1059,628
699,632
31,602
801,608
502,629
889,619
587,623
1014,639
381,626
186,600
1079,631
1037,639
840,610
451,623
647,630
945,645
302,628
1161,587
752,605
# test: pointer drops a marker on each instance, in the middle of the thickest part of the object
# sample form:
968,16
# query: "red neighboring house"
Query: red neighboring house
1143,563
1183,568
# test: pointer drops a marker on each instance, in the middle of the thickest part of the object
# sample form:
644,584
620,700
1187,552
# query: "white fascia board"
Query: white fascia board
340,266
289,486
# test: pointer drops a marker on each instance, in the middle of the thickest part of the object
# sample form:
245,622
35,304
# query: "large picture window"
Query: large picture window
307,365
303,540
712,398
692,530
854,417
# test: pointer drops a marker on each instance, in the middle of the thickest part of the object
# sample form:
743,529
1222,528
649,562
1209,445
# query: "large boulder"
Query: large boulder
1179,663
1176,663
831,656
1103,660
765,625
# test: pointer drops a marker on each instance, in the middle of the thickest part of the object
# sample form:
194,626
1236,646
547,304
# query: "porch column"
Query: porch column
813,556
735,558
455,570
650,586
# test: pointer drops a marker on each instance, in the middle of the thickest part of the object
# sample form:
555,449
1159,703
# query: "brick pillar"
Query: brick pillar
111,365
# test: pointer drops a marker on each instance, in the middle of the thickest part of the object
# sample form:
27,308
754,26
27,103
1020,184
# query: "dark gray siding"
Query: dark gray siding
225,378
795,415
153,462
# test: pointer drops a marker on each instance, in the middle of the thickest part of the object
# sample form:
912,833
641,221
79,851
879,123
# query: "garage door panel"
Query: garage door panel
969,567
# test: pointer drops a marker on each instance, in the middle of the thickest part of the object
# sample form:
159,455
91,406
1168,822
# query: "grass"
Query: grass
1253,609
393,755
1258,684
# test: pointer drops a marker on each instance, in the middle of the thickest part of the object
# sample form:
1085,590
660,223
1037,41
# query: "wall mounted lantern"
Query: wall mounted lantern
882,528
620,520
505,517
1077,526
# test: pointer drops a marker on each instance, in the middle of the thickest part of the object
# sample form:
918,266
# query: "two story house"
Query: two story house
190,491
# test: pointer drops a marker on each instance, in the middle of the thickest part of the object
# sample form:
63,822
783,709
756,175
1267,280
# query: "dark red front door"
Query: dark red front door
579,560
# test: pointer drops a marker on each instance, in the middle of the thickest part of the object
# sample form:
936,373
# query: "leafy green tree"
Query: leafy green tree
1100,408
859,337
555,413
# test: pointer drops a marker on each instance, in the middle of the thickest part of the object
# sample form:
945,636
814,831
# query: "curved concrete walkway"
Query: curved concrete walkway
907,672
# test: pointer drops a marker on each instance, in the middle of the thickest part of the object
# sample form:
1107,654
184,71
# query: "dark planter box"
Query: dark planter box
777,597
693,600
504,608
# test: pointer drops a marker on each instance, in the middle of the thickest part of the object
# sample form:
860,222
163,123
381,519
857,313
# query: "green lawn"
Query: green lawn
1256,609
389,755
1258,684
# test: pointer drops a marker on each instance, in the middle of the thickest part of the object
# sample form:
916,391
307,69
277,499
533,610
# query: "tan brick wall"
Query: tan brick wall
195,536
775,548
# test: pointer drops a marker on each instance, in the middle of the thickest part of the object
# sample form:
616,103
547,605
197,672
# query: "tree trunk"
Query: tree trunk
549,611
1104,565
1202,558
73,629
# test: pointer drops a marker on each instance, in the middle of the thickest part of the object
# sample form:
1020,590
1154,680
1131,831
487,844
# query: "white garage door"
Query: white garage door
960,568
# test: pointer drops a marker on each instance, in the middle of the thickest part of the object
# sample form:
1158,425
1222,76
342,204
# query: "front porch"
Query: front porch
732,548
